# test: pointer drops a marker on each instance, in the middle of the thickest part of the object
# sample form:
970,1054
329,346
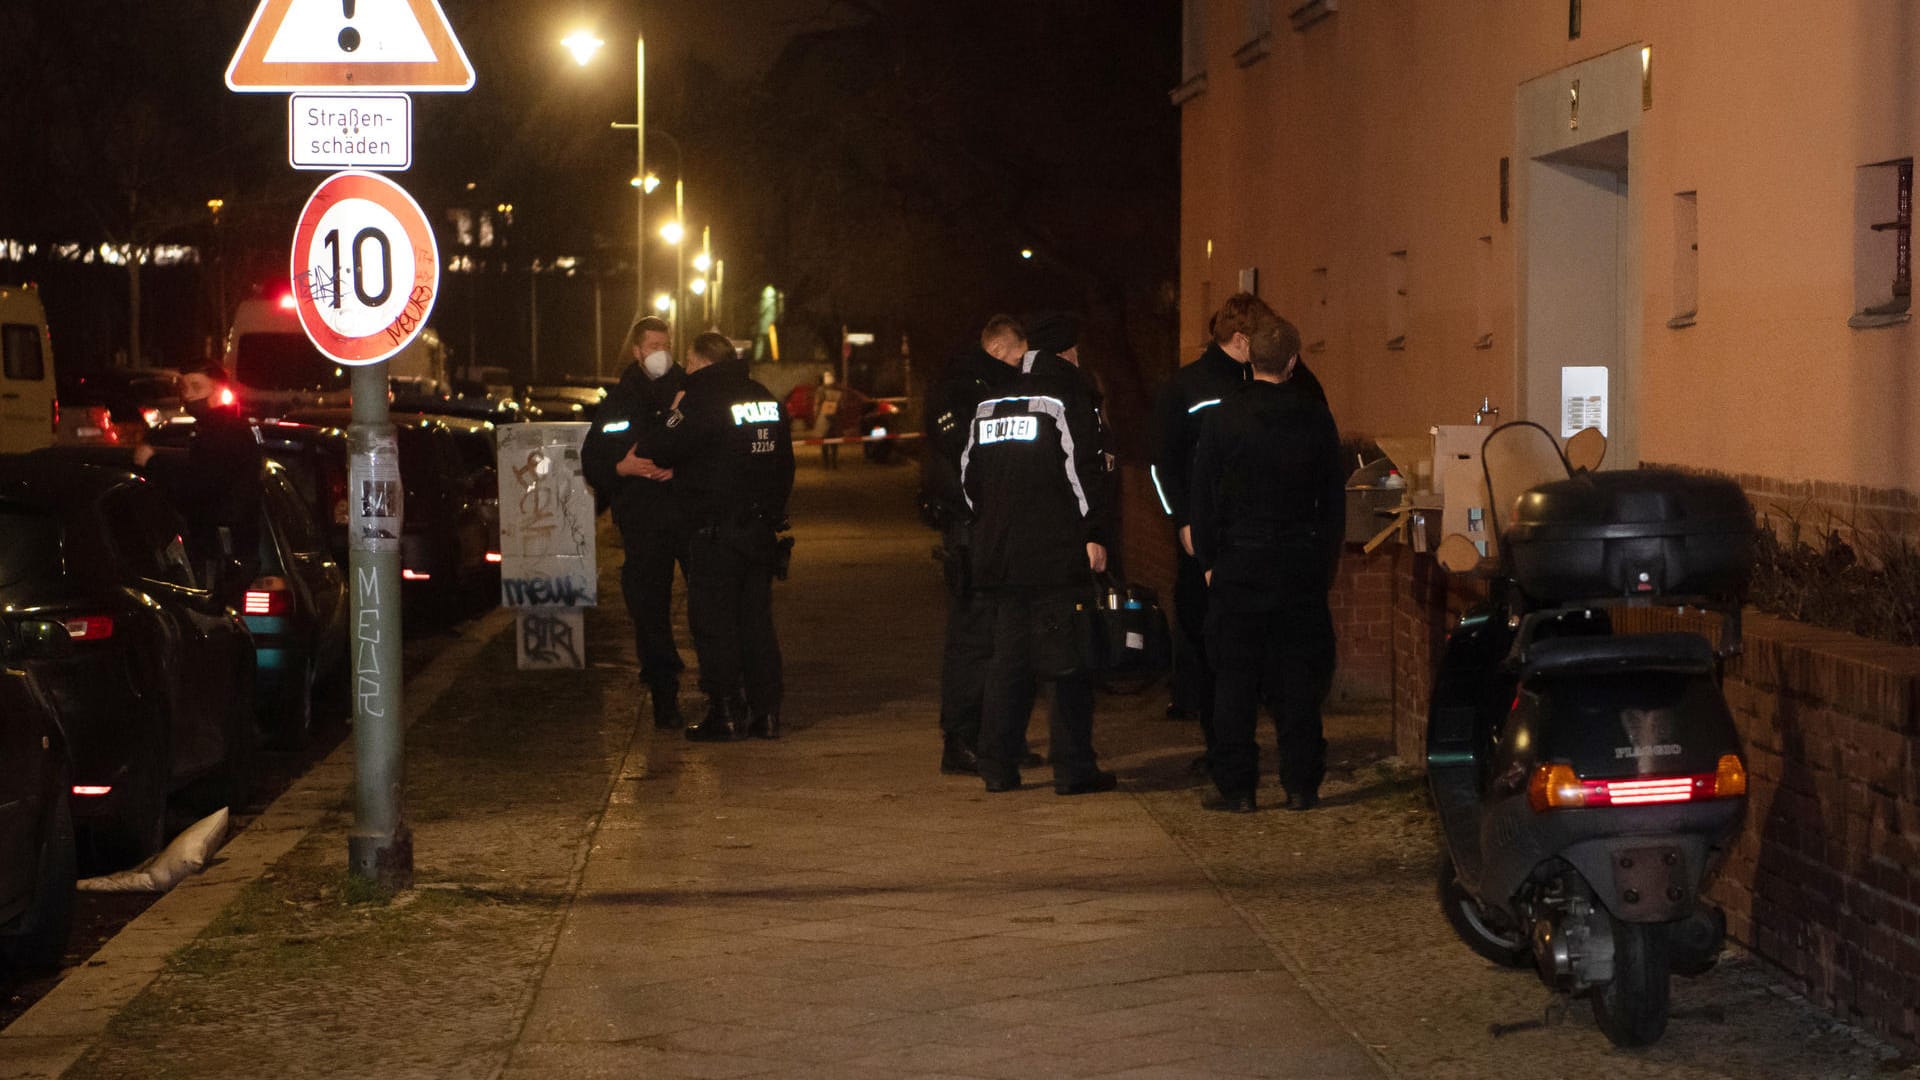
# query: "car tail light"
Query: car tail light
226,397
337,498
1558,787
414,575
89,627
267,596
93,789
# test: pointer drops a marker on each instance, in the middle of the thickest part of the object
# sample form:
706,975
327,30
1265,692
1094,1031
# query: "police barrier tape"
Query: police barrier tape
839,440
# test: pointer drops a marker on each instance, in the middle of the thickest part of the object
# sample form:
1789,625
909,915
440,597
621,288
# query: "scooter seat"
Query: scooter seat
1686,654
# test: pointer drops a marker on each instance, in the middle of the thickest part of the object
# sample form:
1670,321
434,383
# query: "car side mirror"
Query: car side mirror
40,639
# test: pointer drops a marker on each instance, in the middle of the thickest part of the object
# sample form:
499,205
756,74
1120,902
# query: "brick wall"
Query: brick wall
1863,516
1824,879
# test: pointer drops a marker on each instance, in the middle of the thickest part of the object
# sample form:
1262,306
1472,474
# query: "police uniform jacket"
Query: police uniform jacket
1268,496
1183,401
1030,471
969,378
729,447
637,405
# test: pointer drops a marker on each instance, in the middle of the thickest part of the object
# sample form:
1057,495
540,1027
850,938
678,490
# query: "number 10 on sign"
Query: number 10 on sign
365,268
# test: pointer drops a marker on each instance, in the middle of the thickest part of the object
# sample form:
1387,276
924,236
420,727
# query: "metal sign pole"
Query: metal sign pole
380,844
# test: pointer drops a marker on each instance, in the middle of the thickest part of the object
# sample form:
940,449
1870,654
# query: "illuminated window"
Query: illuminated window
1883,243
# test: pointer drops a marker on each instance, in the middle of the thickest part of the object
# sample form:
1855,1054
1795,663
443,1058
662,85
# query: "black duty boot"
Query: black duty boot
959,758
666,708
765,725
723,723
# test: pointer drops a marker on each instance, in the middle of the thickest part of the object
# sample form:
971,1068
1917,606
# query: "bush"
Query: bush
1824,581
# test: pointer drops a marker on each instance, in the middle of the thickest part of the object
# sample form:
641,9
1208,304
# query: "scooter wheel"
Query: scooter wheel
1631,1010
1480,929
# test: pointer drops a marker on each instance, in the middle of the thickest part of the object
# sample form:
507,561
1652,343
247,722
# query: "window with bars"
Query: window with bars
1883,243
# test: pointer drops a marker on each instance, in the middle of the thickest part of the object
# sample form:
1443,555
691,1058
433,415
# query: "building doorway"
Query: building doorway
1579,273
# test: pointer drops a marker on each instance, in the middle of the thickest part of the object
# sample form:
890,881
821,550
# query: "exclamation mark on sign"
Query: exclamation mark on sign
349,37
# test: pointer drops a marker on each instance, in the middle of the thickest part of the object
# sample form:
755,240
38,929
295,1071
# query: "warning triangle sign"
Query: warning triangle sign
349,45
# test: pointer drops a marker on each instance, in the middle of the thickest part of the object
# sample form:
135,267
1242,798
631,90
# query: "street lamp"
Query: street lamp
673,232
583,44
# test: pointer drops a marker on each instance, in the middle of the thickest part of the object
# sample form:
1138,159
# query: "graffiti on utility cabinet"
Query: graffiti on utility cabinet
548,572
550,639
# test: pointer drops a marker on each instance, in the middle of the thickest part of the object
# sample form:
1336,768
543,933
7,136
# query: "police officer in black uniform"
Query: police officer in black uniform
1178,414
1032,471
638,493
727,441
969,378
216,483
1268,518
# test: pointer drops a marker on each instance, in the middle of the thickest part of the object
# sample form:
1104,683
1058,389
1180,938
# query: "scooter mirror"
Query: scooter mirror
1457,554
1586,450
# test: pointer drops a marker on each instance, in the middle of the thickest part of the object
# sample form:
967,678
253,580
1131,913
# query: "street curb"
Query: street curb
622,789
47,1039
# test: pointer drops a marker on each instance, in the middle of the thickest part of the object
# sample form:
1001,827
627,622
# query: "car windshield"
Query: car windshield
29,543
285,362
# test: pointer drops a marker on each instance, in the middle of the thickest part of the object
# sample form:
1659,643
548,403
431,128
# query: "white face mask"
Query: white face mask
657,363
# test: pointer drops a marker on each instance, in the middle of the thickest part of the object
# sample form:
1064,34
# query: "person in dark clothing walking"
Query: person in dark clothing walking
1032,473
216,483
1268,516
969,378
726,439
639,494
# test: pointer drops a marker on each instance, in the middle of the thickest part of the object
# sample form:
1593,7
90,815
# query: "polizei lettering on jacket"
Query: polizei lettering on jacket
1001,428
756,412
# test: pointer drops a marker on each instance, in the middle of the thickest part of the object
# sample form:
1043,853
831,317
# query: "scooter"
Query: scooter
1589,780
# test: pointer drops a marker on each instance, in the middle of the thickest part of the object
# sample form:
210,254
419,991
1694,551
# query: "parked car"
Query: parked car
477,405
116,406
480,454
296,609
444,535
157,691
37,857
565,402
296,605
315,459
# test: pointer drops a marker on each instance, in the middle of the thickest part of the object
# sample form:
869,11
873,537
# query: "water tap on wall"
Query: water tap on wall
1487,411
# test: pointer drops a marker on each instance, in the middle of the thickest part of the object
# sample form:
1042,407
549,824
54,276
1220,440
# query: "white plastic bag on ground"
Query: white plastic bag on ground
188,854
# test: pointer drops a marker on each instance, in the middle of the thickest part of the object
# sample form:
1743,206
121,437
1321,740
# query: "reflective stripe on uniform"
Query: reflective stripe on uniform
1049,406
1154,472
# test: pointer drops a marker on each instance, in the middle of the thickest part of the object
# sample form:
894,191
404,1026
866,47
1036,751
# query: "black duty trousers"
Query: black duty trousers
1018,623
963,665
1193,678
730,609
1282,659
652,546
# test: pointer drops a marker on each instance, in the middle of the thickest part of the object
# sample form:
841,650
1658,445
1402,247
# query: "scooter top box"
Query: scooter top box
1633,533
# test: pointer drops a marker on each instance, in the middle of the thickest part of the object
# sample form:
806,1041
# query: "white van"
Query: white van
29,403
276,368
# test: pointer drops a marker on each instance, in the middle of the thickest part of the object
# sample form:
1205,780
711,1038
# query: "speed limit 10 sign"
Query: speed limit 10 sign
365,268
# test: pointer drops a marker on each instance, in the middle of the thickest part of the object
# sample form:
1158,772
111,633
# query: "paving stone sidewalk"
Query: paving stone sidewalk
829,905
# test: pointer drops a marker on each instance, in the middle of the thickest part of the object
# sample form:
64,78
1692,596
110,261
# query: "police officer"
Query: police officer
1267,521
216,483
1032,473
970,377
643,507
1178,413
727,442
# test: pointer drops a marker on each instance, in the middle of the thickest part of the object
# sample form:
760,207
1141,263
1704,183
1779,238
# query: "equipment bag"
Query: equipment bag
1130,632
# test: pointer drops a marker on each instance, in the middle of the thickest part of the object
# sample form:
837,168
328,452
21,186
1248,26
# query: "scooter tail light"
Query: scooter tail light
1555,787
267,596
1730,779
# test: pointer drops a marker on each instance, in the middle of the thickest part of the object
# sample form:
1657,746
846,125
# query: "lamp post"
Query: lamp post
583,44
